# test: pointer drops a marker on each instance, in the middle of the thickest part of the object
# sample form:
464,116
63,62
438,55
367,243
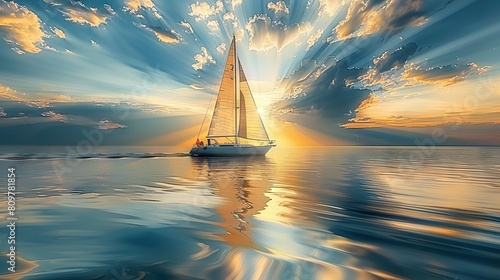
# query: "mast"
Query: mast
236,91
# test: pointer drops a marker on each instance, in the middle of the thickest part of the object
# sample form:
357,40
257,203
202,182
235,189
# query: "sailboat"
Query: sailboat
236,128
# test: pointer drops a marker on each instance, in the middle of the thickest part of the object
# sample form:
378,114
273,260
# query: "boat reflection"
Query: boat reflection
242,184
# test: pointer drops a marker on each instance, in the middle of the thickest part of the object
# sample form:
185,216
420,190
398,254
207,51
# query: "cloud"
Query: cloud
77,12
58,32
107,125
203,10
391,70
202,59
321,89
8,93
213,26
163,35
54,116
166,36
239,34
133,6
314,38
11,94
278,7
197,87
441,75
109,9
365,17
187,26
229,16
236,3
388,61
265,35
22,28
461,104
410,98
221,48
330,8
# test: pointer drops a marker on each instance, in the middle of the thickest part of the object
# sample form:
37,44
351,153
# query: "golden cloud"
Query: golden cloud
22,28
55,116
133,7
91,16
441,75
367,18
58,32
471,102
166,37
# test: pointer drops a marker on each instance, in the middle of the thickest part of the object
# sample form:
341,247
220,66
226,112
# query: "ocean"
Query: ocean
298,213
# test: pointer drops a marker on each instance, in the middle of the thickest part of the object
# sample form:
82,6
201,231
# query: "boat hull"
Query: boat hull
230,151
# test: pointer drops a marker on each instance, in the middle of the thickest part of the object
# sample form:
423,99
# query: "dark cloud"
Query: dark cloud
396,59
323,91
388,61
65,123
327,88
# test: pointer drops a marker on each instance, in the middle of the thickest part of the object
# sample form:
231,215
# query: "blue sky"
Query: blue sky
323,72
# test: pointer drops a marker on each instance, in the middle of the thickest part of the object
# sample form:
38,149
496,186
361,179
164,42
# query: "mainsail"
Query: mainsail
236,115
224,116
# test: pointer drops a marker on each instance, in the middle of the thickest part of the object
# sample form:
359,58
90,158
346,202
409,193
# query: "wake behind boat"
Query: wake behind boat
236,128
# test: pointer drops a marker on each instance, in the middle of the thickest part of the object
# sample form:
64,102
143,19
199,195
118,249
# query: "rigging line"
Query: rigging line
204,117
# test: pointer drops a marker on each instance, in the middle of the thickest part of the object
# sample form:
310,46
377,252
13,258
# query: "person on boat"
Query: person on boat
197,142
201,143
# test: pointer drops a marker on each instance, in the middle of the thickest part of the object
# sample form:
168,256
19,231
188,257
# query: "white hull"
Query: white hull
230,150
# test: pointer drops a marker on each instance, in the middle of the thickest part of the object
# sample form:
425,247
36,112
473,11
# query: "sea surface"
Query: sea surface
298,213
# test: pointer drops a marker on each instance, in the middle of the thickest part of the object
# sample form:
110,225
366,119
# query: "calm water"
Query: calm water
299,213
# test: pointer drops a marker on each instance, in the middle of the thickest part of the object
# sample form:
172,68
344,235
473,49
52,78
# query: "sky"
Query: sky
323,72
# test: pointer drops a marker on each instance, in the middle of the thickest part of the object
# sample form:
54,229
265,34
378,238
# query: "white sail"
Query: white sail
236,115
251,126
224,116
